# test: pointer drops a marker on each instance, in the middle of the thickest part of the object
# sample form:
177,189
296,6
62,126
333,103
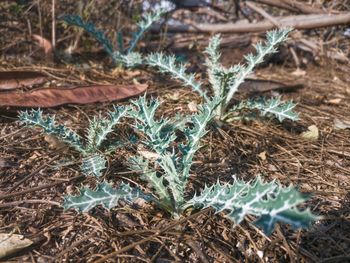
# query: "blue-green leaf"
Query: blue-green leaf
104,195
269,202
93,165
49,126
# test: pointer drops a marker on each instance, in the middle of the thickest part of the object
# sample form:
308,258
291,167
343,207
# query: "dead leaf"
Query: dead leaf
334,101
262,155
54,142
341,124
175,96
44,44
148,154
312,134
12,243
299,73
18,79
55,96
251,85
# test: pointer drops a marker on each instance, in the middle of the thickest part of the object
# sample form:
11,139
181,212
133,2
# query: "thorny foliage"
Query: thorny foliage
126,57
168,170
94,162
225,81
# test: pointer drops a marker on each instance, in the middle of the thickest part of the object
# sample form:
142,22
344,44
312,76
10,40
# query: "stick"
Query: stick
263,13
34,189
29,201
296,22
292,6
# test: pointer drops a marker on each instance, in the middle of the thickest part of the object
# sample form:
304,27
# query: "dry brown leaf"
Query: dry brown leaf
299,73
18,79
12,243
262,155
334,101
312,134
55,96
148,154
54,142
251,85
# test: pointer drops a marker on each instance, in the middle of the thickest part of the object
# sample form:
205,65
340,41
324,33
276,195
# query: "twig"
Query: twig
30,201
126,248
263,13
296,22
4,196
292,6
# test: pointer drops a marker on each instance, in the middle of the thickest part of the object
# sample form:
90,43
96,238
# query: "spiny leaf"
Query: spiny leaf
104,195
195,133
160,133
91,29
141,165
93,165
99,128
169,163
131,59
275,107
215,69
274,37
167,64
213,51
269,202
49,126
143,25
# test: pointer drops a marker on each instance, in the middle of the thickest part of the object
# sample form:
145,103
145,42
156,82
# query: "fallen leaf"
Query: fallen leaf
18,79
54,142
148,154
251,85
334,101
175,96
262,155
299,73
341,124
312,134
12,243
44,44
55,96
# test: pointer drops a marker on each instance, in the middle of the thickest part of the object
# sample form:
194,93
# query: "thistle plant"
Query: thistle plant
126,57
225,81
94,161
168,169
